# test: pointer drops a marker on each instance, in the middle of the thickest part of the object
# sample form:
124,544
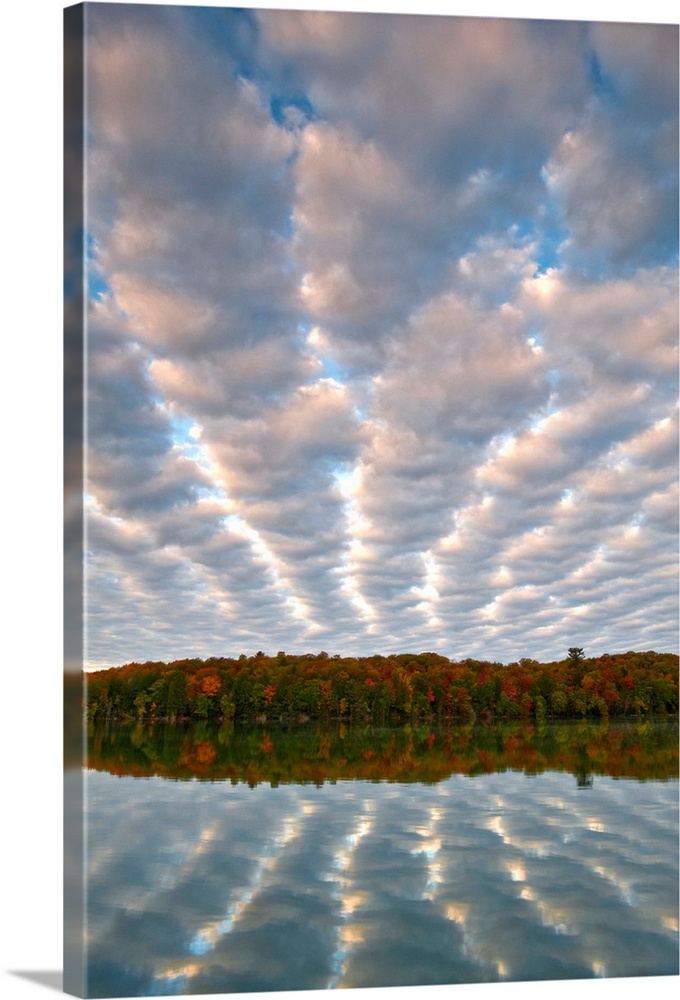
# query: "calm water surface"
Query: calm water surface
200,886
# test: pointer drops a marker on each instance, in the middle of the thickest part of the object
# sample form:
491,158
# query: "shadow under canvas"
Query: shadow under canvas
52,980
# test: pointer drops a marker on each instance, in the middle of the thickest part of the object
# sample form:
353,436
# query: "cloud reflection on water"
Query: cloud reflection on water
208,887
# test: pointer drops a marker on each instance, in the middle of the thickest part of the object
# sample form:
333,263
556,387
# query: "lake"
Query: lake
263,858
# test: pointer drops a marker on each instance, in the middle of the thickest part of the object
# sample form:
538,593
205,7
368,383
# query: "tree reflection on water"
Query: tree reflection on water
318,754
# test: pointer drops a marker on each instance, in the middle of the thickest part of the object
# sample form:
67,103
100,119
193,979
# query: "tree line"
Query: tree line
381,689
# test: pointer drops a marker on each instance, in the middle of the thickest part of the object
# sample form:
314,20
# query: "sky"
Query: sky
382,335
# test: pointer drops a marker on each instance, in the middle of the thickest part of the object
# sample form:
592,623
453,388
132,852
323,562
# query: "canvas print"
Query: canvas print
371,380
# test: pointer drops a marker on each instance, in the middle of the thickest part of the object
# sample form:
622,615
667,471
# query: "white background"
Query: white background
30,487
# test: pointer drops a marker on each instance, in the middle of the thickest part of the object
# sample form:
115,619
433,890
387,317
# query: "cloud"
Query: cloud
620,329
237,379
158,314
642,62
442,91
614,173
617,205
383,341
365,235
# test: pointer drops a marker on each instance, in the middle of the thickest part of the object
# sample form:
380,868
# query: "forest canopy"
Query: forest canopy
382,689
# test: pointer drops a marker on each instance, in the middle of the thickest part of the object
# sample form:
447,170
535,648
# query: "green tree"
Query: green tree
176,699
141,701
228,708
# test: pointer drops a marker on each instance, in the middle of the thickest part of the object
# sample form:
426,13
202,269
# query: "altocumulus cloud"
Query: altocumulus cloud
383,336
